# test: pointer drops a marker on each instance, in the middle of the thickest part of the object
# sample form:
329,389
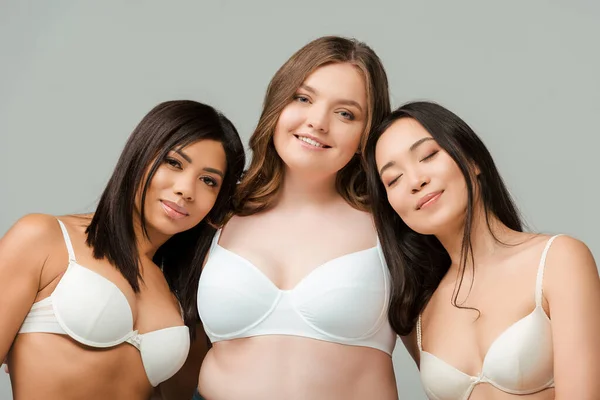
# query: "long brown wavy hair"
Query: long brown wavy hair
261,182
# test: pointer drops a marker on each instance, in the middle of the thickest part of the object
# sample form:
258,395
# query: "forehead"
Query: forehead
341,81
206,152
397,139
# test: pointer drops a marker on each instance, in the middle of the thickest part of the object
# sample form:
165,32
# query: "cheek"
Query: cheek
456,185
348,137
398,203
289,119
159,182
205,201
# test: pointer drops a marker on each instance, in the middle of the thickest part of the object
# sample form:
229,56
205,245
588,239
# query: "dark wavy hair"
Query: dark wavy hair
417,262
169,125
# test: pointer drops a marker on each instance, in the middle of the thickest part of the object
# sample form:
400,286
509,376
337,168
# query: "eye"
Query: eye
173,162
390,183
301,98
209,181
347,115
429,157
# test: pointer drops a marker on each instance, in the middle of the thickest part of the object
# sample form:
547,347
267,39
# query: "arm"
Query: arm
572,289
183,384
23,252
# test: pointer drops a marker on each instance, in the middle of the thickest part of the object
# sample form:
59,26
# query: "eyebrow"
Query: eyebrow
386,166
207,169
413,147
214,171
340,101
419,142
185,156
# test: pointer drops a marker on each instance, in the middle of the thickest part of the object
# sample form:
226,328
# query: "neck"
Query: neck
485,240
300,190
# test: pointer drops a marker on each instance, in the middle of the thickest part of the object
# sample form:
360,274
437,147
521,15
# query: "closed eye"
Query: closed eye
390,183
429,157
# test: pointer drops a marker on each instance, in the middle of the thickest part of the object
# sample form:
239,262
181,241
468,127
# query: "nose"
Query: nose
318,118
418,183
185,187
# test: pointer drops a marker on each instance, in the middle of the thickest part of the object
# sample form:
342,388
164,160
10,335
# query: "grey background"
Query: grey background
76,77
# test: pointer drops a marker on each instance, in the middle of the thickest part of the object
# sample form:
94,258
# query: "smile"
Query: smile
172,210
429,200
311,142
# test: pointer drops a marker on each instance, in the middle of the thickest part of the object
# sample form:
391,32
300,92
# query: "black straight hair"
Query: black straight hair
169,126
417,262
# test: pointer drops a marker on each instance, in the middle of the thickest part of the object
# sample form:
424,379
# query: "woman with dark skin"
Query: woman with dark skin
100,306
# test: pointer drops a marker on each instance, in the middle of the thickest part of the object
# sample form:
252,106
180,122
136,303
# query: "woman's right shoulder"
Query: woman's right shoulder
39,230
237,222
29,243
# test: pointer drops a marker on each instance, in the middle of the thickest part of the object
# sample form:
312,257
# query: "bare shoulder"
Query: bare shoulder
362,221
570,266
76,222
240,225
235,221
571,252
30,241
33,228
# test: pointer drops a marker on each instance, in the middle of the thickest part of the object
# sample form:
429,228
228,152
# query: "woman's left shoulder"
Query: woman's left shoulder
569,264
568,248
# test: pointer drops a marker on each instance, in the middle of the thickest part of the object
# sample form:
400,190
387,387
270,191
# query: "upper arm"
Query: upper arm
184,382
23,251
572,288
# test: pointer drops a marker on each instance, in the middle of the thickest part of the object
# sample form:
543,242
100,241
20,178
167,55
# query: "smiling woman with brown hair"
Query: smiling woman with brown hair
294,292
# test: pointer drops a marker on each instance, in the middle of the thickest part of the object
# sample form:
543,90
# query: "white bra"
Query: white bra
345,300
519,361
93,311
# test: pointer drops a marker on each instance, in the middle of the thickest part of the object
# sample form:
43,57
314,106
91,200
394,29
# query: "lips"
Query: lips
312,140
428,199
173,210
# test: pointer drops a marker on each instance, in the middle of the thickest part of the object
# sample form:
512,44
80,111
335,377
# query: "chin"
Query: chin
428,231
167,227
429,227
298,164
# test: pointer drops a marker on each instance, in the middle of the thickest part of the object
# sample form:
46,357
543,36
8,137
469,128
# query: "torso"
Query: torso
287,247
53,366
504,293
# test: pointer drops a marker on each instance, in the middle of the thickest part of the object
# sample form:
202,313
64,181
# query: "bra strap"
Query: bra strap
67,241
540,274
419,334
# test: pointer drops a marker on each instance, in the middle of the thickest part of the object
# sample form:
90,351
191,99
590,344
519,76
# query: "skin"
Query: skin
276,242
504,282
33,258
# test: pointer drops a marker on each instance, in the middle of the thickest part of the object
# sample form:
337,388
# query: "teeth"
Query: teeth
310,141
